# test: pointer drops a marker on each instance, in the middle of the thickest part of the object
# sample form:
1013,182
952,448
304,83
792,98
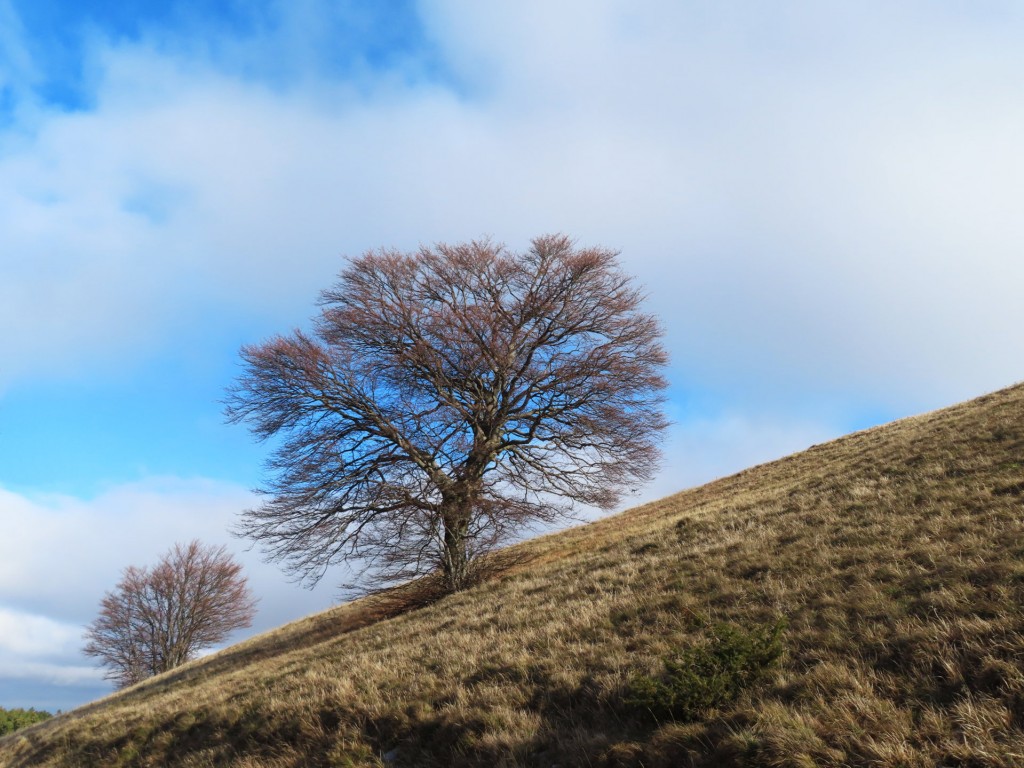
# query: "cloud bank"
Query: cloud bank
818,200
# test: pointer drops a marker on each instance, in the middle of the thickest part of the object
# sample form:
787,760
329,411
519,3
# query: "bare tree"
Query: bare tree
158,619
447,398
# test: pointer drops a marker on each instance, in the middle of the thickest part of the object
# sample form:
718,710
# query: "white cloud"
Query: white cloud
60,554
827,202
55,674
817,201
701,450
25,634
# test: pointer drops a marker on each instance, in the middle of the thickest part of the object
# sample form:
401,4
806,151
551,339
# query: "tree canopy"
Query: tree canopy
13,719
445,399
157,619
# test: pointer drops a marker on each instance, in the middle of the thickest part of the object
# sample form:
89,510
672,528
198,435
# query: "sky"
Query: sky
821,200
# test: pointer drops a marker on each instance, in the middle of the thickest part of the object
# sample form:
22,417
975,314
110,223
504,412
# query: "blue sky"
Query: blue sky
822,201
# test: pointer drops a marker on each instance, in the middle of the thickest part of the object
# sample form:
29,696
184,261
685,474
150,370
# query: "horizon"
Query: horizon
817,201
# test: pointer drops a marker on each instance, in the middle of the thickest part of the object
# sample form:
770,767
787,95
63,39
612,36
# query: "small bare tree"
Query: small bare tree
158,619
446,399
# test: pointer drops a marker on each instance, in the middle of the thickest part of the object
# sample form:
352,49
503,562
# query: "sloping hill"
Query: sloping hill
896,556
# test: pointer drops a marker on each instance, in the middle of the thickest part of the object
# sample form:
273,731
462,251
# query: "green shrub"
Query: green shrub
711,675
13,719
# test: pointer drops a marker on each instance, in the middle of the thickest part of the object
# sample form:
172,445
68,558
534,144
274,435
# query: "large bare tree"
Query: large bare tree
447,398
158,619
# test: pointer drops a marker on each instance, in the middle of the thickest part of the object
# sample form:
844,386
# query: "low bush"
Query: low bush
710,675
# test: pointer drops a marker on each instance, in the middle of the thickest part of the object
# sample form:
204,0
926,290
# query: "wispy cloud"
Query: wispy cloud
16,66
29,635
54,674
718,445
51,537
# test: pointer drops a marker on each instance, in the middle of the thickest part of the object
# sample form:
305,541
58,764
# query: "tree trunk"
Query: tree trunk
455,559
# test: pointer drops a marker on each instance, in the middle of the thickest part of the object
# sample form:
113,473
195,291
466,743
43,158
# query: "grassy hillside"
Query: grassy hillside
895,555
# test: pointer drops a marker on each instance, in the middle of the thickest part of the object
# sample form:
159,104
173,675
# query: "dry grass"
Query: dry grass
896,556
